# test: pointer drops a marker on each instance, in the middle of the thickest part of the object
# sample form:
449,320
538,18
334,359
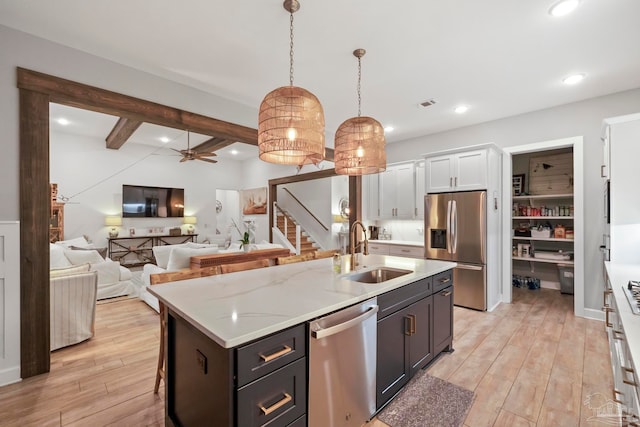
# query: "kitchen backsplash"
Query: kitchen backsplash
409,230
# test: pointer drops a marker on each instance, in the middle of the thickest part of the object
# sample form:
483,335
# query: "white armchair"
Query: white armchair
73,307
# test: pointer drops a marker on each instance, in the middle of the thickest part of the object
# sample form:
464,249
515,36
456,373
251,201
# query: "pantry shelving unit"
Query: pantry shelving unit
548,243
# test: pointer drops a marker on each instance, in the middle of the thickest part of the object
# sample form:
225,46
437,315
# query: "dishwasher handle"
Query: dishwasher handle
323,333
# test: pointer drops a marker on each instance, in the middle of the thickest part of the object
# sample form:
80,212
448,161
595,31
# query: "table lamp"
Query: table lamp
113,222
190,221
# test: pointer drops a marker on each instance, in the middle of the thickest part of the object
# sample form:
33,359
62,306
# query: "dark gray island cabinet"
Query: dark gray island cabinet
415,323
264,382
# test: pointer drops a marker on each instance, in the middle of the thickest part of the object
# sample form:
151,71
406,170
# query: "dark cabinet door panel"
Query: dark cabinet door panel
443,319
421,338
392,356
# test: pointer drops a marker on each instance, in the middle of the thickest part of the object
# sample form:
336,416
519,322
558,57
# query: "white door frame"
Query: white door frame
576,143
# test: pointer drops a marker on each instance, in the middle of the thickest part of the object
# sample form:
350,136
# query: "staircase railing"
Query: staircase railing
311,223
284,236
306,209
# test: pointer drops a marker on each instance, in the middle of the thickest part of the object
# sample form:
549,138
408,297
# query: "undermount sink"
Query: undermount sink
377,275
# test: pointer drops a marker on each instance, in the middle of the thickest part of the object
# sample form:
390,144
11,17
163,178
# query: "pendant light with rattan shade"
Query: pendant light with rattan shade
291,119
360,142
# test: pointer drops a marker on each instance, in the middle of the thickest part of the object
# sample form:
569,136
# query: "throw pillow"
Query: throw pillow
101,251
161,253
80,257
181,257
80,242
57,258
59,272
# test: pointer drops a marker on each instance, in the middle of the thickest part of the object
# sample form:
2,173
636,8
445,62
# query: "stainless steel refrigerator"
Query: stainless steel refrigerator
456,230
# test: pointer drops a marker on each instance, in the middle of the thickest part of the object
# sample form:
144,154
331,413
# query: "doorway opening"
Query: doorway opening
543,220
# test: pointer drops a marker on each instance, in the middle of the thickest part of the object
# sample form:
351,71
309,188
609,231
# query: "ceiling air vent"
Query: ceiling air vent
428,103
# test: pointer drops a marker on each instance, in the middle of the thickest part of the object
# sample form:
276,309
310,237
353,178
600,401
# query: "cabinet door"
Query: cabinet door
421,338
439,173
420,190
405,191
392,357
470,171
371,193
387,201
442,319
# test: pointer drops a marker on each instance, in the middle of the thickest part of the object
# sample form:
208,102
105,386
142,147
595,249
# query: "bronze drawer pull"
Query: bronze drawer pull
604,296
412,317
445,293
618,335
448,279
286,399
606,310
407,330
625,379
277,354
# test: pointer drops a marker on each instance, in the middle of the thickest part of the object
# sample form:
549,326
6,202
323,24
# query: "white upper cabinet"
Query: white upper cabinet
460,171
397,191
420,192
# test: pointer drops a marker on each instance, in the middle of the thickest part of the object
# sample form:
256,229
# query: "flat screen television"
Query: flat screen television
152,202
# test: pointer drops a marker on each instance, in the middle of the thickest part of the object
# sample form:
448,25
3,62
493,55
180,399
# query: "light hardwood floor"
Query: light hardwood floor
530,363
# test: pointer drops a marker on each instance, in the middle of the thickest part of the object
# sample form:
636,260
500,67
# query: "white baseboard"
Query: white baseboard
592,313
10,376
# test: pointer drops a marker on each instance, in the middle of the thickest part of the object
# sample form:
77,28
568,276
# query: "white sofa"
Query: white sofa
113,279
178,257
73,305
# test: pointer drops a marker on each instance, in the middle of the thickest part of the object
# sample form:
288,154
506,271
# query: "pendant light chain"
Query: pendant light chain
291,49
359,79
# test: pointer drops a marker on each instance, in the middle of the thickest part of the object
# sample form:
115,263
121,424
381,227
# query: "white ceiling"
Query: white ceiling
499,57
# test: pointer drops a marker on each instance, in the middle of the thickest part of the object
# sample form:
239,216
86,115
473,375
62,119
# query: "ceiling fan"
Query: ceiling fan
190,154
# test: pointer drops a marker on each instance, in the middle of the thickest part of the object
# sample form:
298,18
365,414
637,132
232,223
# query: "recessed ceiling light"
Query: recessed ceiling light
563,7
164,139
63,121
234,152
460,109
389,129
573,79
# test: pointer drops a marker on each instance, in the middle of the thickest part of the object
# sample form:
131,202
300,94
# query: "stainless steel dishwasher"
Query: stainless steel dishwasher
342,367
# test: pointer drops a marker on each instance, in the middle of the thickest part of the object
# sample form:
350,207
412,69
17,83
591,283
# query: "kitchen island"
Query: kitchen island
231,336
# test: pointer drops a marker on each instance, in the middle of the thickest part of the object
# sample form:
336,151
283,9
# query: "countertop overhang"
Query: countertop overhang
236,308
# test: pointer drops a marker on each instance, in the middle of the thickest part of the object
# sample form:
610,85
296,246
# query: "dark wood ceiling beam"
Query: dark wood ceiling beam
213,144
121,132
79,95
329,154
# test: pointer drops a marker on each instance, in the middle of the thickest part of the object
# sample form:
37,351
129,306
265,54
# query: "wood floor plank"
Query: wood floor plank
509,419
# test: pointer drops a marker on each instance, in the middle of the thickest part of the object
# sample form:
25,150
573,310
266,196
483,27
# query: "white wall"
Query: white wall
578,119
92,177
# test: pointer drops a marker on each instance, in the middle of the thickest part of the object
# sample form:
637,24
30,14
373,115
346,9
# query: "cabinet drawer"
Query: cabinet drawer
442,280
270,353
300,422
397,299
407,251
377,249
277,399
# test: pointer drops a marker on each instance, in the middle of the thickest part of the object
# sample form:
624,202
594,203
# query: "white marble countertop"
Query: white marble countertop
399,242
619,276
235,308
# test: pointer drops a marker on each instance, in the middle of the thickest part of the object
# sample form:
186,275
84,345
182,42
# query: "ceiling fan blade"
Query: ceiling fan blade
184,159
177,151
207,160
205,154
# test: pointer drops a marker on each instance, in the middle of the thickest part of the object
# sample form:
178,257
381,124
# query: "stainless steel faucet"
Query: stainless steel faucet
353,246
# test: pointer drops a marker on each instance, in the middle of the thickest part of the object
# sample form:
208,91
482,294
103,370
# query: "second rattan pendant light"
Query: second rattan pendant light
291,119
360,143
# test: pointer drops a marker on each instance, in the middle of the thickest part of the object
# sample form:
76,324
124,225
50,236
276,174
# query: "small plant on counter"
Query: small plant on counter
245,240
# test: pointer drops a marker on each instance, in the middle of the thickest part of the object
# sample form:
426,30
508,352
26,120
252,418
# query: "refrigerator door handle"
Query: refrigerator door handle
483,227
448,235
454,226
469,267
